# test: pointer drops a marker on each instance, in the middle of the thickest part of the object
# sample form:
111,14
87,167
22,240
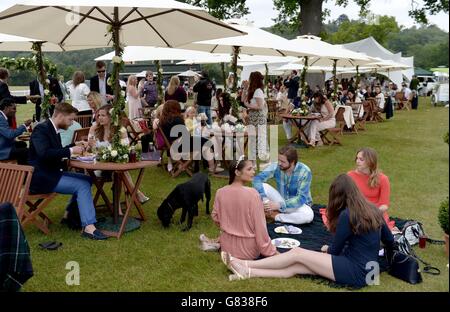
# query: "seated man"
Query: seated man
9,147
291,202
46,156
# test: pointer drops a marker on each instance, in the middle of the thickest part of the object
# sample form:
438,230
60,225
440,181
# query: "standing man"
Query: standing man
292,83
204,88
37,88
47,155
291,201
9,147
99,83
150,90
4,89
414,84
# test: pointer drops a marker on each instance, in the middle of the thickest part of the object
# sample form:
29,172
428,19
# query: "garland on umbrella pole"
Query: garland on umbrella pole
303,78
159,80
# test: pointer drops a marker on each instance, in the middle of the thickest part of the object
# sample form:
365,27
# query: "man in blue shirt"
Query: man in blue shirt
291,201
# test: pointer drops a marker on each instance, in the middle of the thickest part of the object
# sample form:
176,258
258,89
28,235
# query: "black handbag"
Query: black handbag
405,267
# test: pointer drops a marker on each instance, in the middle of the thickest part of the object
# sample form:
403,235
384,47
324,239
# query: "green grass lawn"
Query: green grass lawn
412,153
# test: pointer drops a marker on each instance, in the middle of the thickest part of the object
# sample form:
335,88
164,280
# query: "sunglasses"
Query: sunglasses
101,71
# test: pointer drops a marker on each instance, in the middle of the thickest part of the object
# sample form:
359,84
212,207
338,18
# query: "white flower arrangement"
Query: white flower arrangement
47,81
46,92
114,153
116,59
109,82
123,130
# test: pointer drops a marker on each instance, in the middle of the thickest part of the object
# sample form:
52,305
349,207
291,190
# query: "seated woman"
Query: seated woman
326,121
174,91
171,116
239,212
379,96
357,228
373,184
95,101
101,134
352,98
189,116
224,105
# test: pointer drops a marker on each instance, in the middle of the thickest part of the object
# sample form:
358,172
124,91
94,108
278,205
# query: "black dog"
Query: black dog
186,196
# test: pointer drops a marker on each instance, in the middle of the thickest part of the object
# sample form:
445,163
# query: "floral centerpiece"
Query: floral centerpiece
119,153
303,110
239,127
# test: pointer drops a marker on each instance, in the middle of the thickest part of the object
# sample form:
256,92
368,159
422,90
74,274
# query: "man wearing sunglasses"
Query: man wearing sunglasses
99,83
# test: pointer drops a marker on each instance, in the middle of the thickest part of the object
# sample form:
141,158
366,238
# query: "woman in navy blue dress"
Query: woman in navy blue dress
357,225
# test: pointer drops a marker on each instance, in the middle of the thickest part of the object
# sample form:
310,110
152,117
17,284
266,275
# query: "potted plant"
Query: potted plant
443,220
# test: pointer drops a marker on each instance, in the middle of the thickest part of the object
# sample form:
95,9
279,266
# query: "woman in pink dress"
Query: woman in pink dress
239,212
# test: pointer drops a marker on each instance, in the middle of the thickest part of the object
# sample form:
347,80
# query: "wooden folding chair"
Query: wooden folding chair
15,183
133,134
179,166
84,120
330,136
80,135
360,121
402,103
272,110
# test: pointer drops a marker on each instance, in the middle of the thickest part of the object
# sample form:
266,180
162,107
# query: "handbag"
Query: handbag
405,267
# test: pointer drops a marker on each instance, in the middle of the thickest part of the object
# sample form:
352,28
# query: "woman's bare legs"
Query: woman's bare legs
312,262
287,272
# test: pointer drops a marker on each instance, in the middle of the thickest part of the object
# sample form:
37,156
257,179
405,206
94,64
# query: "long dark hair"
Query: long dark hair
256,81
322,100
170,110
236,165
100,129
364,216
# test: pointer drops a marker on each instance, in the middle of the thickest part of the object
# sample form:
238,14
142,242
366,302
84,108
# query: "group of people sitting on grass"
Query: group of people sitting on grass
356,215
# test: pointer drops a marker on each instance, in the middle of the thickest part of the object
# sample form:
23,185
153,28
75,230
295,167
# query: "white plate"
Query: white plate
288,229
285,242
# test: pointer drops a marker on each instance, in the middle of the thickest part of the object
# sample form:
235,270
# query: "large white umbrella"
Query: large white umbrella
16,43
144,53
189,73
81,24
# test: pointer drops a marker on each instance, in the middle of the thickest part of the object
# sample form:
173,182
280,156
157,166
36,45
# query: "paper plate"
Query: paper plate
288,229
285,242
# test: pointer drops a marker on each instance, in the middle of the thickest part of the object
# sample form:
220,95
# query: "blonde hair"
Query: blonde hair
174,83
371,159
130,79
96,98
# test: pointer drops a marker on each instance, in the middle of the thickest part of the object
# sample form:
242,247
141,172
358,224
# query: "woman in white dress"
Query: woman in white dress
101,134
79,92
133,99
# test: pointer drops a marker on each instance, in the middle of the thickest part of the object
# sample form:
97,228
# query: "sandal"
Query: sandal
237,275
227,259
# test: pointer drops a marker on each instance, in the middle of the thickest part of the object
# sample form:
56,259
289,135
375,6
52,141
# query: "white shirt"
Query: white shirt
406,92
259,94
41,88
79,97
102,86
380,100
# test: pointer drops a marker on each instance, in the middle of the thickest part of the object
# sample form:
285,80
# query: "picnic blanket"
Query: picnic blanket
314,235
15,261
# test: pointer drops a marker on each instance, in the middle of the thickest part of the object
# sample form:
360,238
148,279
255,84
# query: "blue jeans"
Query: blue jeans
207,111
79,185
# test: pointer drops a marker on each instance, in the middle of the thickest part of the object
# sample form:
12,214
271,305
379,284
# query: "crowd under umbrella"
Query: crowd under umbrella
154,54
255,42
82,24
23,44
329,56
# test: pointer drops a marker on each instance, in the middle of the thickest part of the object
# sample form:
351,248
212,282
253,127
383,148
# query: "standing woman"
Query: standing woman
174,91
133,99
323,106
257,114
357,228
79,92
239,212
372,183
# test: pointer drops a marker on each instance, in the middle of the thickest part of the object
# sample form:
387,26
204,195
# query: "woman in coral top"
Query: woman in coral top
372,182
239,212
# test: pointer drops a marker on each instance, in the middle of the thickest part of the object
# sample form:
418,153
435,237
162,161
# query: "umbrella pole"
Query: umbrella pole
224,78
303,77
357,77
159,80
335,80
45,105
266,80
236,51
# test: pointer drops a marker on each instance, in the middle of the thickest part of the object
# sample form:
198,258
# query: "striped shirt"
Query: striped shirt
294,188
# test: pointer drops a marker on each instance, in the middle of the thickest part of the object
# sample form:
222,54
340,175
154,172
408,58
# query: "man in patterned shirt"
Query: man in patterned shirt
291,201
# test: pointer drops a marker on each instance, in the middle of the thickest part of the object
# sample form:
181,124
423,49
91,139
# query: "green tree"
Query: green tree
222,9
350,31
306,16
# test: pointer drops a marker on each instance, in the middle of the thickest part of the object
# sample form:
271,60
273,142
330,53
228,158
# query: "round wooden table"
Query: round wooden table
119,178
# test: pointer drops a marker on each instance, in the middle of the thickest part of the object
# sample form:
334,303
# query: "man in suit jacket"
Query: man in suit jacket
46,156
4,89
99,83
9,148
36,88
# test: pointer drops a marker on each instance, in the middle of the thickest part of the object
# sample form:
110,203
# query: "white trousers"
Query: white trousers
301,215
315,126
